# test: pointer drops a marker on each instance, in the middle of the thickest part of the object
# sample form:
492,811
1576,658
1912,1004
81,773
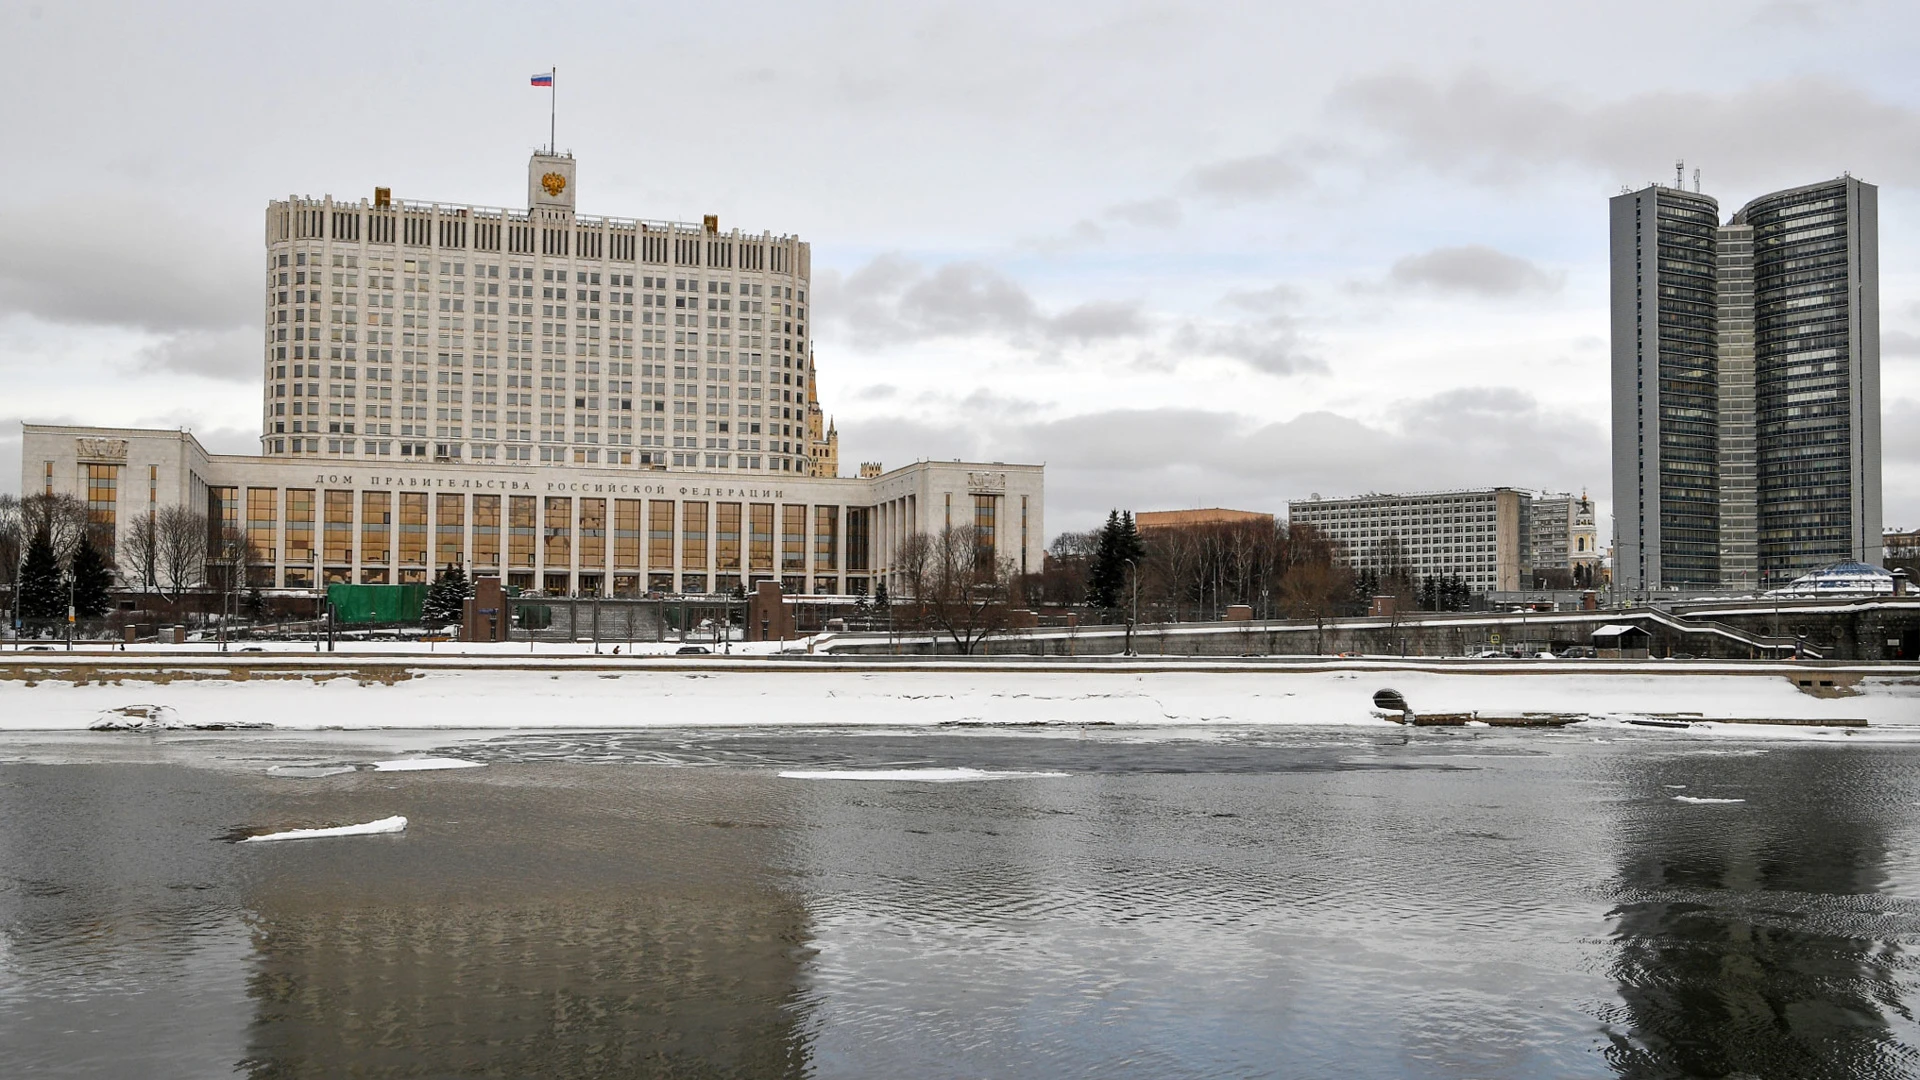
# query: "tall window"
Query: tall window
793,538
726,528
826,537
986,510
760,536
103,482
522,529
558,531
300,549
857,529
263,505
413,528
486,532
376,527
626,534
660,535
593,534
336,537
449,529
693,536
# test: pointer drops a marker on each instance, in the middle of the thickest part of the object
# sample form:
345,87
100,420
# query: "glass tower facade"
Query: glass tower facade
1746,403
1816,361
1739,565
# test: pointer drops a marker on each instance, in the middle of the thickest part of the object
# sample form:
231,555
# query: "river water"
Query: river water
1259,903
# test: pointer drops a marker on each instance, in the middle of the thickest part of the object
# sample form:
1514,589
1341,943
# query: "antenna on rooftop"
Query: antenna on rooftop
1696,181
1680,174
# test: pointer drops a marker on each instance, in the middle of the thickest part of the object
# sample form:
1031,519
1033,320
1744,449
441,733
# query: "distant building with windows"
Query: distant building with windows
1746,385
556,529
404,330
1561,534
1480,535
1168,519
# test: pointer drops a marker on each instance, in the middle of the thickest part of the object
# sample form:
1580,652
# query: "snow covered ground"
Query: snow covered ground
72,692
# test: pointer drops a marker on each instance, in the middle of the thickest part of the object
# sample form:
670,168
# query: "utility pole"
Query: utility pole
1133,578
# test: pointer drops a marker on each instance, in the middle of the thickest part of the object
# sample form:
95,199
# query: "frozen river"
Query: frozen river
1292,902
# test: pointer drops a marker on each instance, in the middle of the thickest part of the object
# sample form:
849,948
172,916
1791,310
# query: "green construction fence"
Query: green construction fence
376,603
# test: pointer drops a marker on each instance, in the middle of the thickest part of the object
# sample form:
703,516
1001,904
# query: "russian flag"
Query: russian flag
543,79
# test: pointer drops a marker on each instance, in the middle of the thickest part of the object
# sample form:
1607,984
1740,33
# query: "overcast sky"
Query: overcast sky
1185,255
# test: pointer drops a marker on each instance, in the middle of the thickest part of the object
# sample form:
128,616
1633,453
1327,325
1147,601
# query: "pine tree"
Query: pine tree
92,581
446,597
43,589
1108,571
881,600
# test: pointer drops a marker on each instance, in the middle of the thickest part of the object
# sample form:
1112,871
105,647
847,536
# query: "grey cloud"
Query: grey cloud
1272,346
1899,343
218,354
1161,213
124,264
1268,301
1492,130
1249,178
1475,269
894,300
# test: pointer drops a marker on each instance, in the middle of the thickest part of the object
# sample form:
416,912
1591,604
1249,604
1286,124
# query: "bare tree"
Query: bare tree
139,551
181,535
13,538
957,585
63,516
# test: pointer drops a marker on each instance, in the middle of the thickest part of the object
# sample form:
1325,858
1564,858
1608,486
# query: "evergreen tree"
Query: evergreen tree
881,601
92,580
1108,573
43,589
446,597
1431,596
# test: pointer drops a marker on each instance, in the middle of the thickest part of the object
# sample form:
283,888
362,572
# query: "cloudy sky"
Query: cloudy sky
1186,255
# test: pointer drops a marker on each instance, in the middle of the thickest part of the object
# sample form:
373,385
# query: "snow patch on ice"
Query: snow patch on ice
392,824
1701,799
424,764
928,776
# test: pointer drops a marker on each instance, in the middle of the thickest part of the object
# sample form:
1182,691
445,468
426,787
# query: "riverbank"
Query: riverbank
75,691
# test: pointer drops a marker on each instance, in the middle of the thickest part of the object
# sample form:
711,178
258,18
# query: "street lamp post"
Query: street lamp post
1133,579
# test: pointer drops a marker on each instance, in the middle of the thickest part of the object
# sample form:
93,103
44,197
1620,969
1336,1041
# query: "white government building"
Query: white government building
590,406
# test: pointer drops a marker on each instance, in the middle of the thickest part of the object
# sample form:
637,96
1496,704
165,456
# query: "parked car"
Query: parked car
1578,652
693,650
1490,654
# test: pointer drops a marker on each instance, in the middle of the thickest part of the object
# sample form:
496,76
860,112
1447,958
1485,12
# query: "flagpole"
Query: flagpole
553,110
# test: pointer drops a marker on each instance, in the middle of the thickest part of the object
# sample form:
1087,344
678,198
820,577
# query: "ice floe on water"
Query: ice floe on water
392,824
309,772
424,764
925,776
1701,799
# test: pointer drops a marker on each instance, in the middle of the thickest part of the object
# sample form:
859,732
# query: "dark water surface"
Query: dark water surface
1243,903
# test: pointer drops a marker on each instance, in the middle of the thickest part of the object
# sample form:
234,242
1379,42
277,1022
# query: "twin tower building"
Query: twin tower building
1746,385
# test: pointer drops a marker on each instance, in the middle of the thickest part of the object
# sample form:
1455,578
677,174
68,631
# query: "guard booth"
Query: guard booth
1620,641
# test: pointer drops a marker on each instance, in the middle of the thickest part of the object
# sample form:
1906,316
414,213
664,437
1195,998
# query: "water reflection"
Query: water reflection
597,937
1753,938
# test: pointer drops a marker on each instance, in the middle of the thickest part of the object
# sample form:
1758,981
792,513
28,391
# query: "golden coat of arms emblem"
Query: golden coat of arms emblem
554,183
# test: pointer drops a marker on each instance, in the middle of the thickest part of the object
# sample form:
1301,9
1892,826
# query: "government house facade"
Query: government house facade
579,405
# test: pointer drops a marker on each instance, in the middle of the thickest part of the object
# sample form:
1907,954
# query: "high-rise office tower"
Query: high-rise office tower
1746,396
1816,348
1665,394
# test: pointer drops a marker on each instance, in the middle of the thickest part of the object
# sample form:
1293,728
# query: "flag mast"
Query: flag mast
553,110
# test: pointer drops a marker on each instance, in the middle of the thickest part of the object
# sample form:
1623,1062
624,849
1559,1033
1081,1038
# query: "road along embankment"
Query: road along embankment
78,691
